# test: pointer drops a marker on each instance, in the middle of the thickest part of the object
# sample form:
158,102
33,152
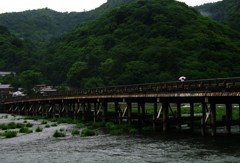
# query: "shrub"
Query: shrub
3,126
75,132
10,134
29,125
59,134
24,130
47,126
39,129
54,124
20,125
147,130
111,126
79,125
87,132
63,120
133,131
116,132
98,124
44,122
11,125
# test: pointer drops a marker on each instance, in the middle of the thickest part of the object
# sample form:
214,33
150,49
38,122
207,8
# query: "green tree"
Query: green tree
29,78
77,73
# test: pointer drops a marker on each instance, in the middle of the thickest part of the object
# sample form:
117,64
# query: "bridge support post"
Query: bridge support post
94,111
155,116
228,117
179,116
165,116
77,109
74,111
203,123
26,111
129,112
88,112
41,109
143,114
213,118
116,109
83,107
192,116
104,115
239,115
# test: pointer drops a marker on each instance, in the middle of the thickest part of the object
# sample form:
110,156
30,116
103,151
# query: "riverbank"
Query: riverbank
48,129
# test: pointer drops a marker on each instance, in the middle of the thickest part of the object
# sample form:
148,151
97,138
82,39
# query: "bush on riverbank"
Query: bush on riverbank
75,132
59,134
39,129
11,125
87,132
79,125
116,129
25,130
9,134
147,130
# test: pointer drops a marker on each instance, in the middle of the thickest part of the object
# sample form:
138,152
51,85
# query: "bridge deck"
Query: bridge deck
93,103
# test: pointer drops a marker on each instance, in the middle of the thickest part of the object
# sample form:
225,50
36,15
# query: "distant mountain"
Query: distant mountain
145,41
43,24
226,11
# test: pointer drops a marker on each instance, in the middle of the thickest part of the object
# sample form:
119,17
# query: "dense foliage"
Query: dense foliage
16,54
138,41
43,24
226,11
147,41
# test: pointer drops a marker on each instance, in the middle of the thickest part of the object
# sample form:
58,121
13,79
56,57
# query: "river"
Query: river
43,148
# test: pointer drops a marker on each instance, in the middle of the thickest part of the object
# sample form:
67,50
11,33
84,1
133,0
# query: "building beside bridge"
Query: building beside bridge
5,90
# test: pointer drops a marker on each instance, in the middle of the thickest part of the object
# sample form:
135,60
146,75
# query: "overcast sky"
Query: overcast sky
66,5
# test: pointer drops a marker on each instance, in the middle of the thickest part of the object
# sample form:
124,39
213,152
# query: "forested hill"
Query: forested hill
16,55
226,11
146,41
43,24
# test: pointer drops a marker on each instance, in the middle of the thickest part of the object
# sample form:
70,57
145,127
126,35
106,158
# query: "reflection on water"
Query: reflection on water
120,149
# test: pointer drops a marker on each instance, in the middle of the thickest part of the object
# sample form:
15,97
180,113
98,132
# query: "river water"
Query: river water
43,148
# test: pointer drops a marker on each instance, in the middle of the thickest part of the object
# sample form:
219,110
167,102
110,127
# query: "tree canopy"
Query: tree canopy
139,41
148,41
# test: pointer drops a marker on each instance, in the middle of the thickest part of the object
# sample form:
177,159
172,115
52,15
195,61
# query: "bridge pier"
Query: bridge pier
155,116
142,117
129,112
104,111
213,118
165,116
192,116
228,118
179,116
203,123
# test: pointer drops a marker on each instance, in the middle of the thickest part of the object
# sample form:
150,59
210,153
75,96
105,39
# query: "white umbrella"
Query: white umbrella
182,78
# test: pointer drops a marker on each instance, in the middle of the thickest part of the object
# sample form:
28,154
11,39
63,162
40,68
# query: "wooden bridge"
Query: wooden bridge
193,104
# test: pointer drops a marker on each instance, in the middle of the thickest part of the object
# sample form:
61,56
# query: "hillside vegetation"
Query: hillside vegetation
43,24
226,11
146,41
16,55
133,41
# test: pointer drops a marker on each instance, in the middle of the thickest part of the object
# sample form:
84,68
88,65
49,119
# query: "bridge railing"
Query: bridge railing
205,85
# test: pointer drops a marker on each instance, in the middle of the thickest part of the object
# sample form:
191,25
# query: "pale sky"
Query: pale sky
66,5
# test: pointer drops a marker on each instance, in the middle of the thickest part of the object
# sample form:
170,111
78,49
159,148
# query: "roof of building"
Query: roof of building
2,73
5,86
